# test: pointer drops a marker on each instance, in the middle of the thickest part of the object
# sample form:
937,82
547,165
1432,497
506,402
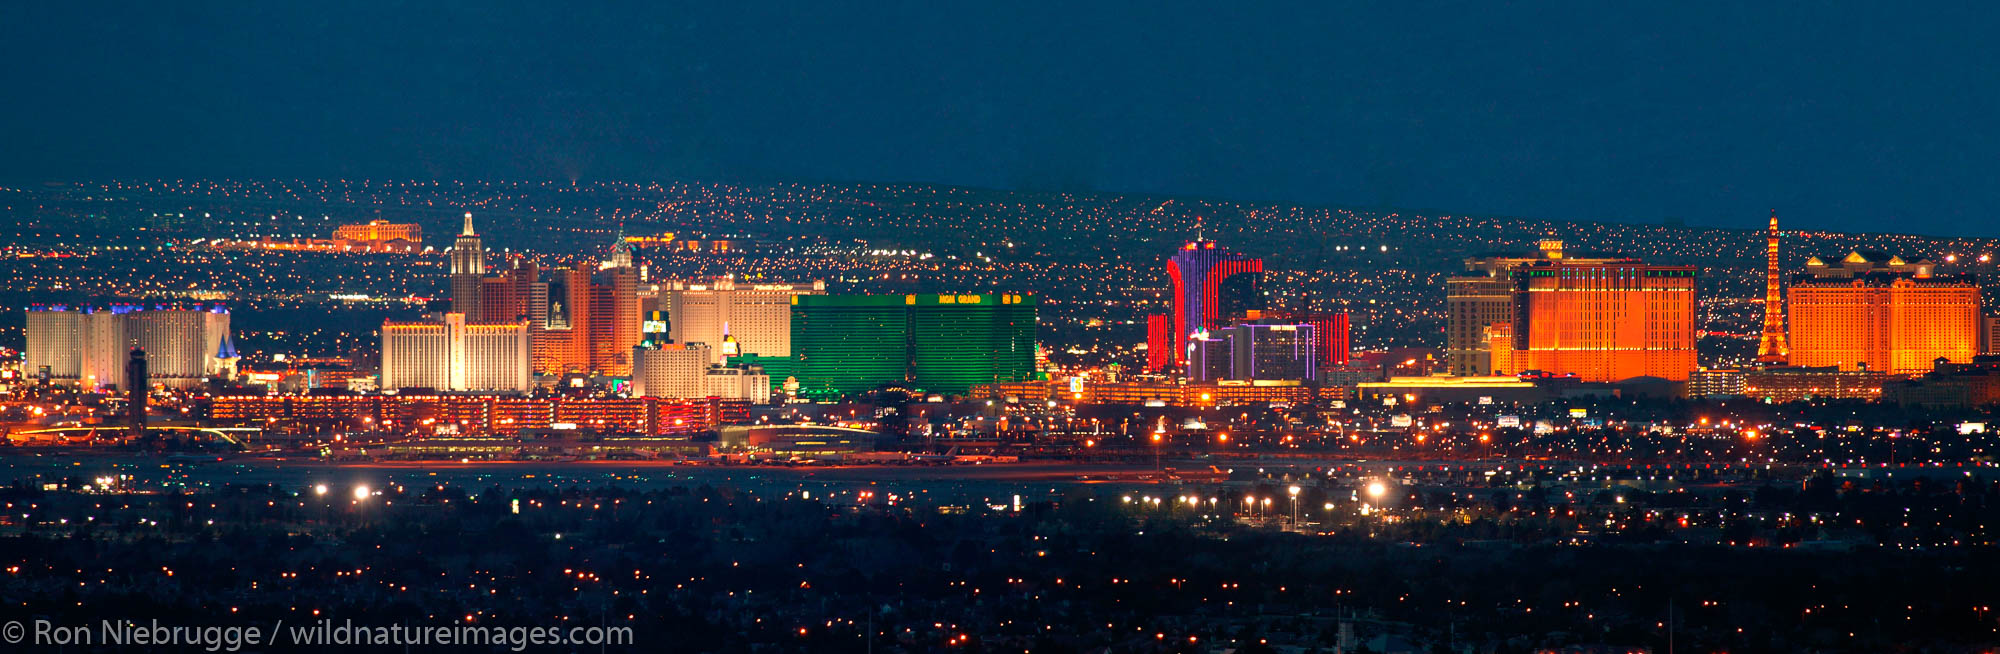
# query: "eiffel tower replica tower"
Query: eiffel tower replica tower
1771,347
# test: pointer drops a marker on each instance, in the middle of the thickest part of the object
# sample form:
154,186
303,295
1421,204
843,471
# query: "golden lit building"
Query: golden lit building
1882,314
1483,296
1601,321
381,235
456,355
580,319
732,317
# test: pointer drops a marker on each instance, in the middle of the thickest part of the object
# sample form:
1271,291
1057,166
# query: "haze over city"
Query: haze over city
1860,116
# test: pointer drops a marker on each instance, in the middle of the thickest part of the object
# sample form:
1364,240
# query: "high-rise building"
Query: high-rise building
1883,314
1601,322
1482,297
683,371
851,344
1159,341
1209,357
614,319
468,267
671,370
1208,285
738,384
135,394
89,347
451,354
1334,338
1771,346
590,320
581,319
1273,351
733,318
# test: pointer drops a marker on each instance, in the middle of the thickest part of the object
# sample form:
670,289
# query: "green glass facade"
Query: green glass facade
844,345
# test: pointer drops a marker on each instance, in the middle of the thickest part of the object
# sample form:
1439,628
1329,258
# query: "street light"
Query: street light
1293,500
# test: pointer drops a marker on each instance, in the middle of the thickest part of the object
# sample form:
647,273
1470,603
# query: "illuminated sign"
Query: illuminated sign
653,326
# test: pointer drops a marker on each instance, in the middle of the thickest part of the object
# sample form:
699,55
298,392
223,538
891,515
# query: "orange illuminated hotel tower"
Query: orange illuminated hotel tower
1882,313
1771,347
1601,321
583,319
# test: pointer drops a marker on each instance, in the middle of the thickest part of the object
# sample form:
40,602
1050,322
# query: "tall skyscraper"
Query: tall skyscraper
614,319
1159,341
1208,285
1771,347
1601,322
135,394
670,370
1882,313
850,344
1209,357
581,319
1333,336
449,353
733,318
89,346
468,267
1273,352
1483,296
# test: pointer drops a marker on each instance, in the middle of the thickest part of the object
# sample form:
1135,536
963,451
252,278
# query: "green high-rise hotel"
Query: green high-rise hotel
844,345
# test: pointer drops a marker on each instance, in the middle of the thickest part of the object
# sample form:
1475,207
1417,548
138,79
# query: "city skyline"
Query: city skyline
1163,329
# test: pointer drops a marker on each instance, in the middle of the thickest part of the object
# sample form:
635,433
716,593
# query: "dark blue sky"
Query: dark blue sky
1876,117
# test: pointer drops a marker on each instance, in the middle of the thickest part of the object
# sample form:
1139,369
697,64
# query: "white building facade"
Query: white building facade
452,354
87,347
683,371
733,317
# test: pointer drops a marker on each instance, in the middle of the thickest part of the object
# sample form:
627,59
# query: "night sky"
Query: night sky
1872,117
